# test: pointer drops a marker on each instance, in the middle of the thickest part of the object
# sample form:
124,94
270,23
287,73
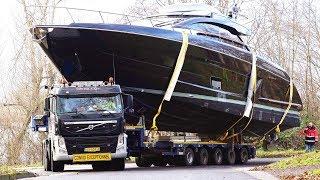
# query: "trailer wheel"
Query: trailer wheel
188,157
242,156
217,156
230,157
118,164
203,157
160,162
143,162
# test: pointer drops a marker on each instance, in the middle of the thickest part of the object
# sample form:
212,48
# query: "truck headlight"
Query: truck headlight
61,142
120,139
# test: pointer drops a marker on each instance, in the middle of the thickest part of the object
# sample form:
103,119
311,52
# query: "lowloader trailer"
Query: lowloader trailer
85,124
184,150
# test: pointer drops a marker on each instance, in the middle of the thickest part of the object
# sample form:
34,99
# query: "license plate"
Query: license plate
92,149
91,157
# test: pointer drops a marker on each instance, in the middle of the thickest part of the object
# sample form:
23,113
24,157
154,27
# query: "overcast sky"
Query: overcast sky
9,11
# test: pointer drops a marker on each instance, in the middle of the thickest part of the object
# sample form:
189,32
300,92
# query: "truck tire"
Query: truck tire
57,166
202,157
118,164
242,156
143,162
171,161
46,158
216,156
188,157
230,157
101,166
160,162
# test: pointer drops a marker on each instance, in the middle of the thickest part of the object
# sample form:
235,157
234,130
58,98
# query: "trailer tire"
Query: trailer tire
143,162
217,156
118,164
188,157
230,157
202,157
242,156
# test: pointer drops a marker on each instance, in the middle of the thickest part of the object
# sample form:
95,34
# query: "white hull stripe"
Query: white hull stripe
90,122
210,89
211,98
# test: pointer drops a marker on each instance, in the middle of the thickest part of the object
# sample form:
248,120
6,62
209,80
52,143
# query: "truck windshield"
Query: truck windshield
85,105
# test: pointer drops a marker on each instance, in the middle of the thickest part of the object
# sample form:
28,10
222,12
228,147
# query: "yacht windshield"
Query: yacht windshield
83,105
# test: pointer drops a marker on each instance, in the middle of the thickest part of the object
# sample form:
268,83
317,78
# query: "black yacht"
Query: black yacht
211,93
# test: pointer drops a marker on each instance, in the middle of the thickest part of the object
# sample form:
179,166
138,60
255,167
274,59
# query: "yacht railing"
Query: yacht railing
103,15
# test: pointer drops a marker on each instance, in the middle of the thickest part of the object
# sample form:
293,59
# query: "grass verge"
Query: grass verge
16,170
7,170
278,153
315,172
306,159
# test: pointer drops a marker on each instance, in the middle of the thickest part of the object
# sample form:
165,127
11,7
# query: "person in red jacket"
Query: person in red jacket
311,137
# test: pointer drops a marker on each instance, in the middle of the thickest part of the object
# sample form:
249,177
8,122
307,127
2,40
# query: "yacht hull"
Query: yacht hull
210,94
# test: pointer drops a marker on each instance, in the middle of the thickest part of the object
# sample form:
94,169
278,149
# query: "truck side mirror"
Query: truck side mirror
47,104
39,123
128,103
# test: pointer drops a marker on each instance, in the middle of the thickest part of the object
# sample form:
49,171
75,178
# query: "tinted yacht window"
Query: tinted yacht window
217,33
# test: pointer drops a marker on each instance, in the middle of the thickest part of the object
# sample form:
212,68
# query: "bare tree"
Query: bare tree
31,70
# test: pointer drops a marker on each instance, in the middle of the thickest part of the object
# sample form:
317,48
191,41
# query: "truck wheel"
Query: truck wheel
160,162
171,161
202,157
46,159
143,162
57,166
230,157
188,157
118,164
242,156
217,156
101,166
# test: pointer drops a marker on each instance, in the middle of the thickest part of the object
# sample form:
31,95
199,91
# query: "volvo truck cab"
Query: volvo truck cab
84,125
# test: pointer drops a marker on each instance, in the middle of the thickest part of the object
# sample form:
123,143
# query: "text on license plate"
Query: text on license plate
91,157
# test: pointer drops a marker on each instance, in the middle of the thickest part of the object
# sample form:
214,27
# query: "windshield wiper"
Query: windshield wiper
107,111
76,114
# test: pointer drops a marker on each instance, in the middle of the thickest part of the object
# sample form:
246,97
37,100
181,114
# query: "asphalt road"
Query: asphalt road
132,172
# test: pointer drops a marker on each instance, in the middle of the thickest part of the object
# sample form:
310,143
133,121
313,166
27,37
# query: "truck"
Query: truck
85,123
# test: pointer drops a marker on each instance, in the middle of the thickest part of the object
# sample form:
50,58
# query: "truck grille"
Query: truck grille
84,130
78,144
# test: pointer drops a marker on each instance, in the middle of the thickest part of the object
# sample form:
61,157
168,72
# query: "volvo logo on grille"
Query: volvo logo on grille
90,127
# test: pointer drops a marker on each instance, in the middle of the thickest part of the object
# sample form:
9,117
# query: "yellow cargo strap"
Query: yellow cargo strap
252,86
249,104
277,127
288,108
174,77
